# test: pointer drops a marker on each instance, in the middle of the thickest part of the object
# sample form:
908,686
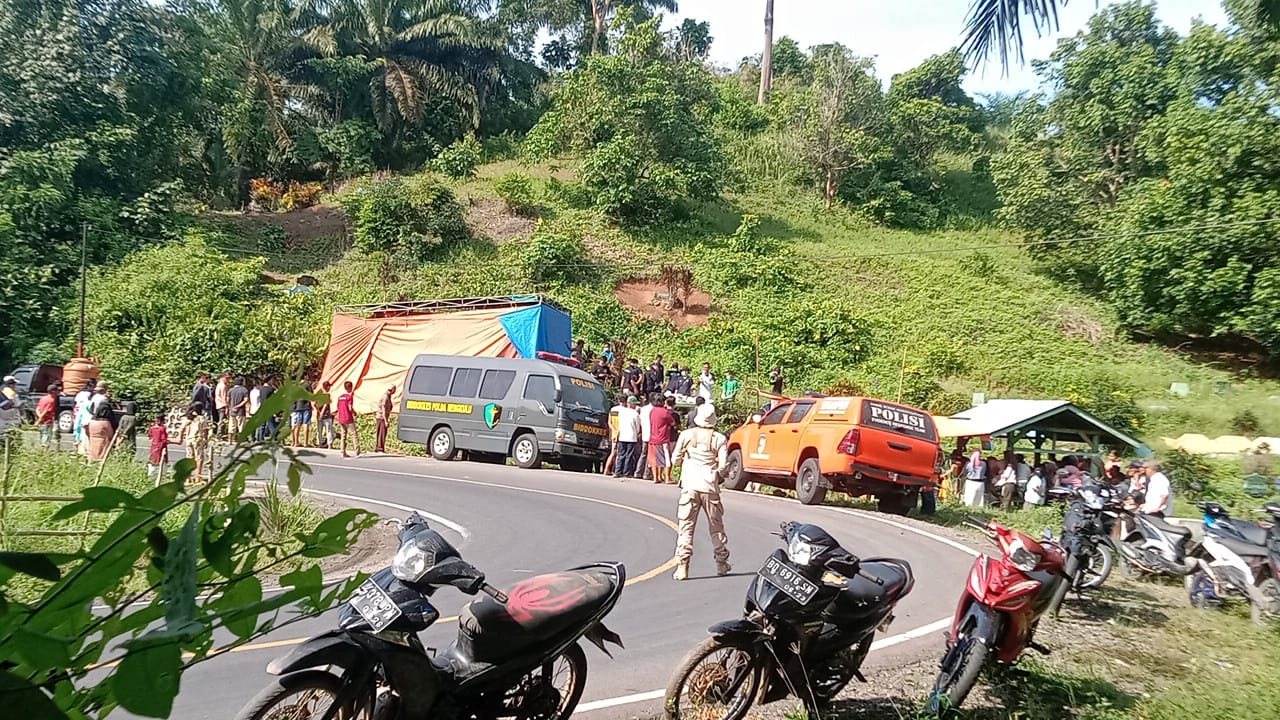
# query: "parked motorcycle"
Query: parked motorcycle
516,656
998,612
1240,558
1086,538
811,613
1151,546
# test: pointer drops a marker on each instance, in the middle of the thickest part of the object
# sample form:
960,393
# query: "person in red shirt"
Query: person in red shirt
347,418
46,414
159,456
662,438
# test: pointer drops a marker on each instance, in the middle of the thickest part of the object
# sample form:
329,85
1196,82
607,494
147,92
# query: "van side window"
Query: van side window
496,384
466,381
802,409
430,380
541,388
775,415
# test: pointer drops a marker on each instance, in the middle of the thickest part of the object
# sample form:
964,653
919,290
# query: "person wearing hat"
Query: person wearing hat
701,453
628,438
9,393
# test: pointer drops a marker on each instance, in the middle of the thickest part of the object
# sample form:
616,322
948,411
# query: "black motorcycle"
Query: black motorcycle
1086,537
516,656
811,613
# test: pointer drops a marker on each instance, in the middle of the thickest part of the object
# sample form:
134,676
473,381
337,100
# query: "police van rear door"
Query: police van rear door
898,438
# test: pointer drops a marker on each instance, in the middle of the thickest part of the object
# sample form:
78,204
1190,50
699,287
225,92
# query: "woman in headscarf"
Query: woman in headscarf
99,432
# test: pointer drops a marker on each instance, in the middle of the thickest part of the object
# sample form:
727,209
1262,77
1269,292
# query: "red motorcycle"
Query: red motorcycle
998,612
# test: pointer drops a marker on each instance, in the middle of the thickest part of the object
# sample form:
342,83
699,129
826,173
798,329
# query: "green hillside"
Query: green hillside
951,312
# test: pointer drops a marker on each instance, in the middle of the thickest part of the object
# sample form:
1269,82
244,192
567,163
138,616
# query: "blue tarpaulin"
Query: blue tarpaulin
538,328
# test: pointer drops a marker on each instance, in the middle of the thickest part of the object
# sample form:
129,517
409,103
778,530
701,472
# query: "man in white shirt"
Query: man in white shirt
628,437
1159,499
706,382
642,468
701,453
1006,484
1034,494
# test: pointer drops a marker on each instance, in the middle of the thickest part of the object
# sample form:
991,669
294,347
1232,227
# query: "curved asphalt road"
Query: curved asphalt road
522,522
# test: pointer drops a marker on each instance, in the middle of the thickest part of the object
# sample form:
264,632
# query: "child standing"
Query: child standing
159,456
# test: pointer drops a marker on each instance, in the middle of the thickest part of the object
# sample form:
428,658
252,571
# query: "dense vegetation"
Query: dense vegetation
855,232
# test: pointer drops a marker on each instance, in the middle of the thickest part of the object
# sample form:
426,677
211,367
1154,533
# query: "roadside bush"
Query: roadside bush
518,192
1110,400
556,256
418,216
744,259
460,159
1246,422
598,317
350,147
300,195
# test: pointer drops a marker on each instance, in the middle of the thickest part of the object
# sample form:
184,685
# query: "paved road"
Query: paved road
521,522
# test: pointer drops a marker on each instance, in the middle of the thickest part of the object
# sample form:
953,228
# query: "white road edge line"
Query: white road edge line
880,644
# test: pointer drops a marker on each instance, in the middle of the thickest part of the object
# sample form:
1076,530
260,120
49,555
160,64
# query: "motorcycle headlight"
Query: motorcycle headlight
412,562
801,552
1022,558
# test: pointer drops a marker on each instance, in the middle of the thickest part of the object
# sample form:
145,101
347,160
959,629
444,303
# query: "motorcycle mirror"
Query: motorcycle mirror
397,523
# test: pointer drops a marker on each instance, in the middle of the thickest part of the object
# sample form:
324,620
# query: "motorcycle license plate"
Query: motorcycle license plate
792,584
374,605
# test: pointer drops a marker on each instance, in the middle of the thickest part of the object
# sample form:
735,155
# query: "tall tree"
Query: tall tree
766,59
842,117
420,50
998,23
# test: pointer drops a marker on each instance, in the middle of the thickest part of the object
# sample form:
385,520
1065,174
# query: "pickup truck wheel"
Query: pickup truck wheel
66,421
892,504
735,476
811,488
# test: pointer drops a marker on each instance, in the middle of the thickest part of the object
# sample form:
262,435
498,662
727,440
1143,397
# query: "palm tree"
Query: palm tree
766,58
264,40
998,23
421,49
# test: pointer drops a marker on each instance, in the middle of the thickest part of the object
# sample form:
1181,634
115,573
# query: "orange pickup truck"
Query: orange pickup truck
856,445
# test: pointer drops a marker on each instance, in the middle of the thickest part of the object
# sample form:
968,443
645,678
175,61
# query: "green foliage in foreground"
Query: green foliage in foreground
416,216
200,578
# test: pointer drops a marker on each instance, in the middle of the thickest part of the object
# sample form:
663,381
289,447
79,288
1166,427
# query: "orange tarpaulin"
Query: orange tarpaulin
375,353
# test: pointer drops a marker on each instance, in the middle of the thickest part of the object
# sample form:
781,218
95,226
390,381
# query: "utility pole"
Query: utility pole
766,58
84,256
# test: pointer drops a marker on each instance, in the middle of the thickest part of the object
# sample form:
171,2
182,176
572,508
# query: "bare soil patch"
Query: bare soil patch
651,300
300,226
490,218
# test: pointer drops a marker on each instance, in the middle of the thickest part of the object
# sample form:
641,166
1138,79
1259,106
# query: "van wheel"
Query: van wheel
441,445
525,451
735,476
811,488
66,421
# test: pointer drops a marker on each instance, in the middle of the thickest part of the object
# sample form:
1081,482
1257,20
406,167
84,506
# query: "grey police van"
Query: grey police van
493,408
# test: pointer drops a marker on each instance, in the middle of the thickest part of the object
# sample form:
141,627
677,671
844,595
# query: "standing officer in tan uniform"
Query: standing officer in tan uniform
700,451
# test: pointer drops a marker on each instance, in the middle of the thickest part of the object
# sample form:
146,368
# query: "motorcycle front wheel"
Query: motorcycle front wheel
715,681
961,667
1097,569
305,695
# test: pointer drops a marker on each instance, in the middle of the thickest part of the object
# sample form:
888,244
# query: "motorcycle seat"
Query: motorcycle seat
1242,549
862,593
1252,534
537,609
1165,527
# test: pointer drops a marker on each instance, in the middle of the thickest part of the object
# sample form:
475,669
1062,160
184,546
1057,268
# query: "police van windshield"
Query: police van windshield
582,395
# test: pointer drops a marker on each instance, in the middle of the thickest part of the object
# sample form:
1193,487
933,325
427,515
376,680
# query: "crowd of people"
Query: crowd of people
222,409
1009,481
99,422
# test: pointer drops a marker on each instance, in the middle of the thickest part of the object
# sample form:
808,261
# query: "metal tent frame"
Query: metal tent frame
408,307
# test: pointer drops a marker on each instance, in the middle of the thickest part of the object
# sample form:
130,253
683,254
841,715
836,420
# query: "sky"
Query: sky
901,33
